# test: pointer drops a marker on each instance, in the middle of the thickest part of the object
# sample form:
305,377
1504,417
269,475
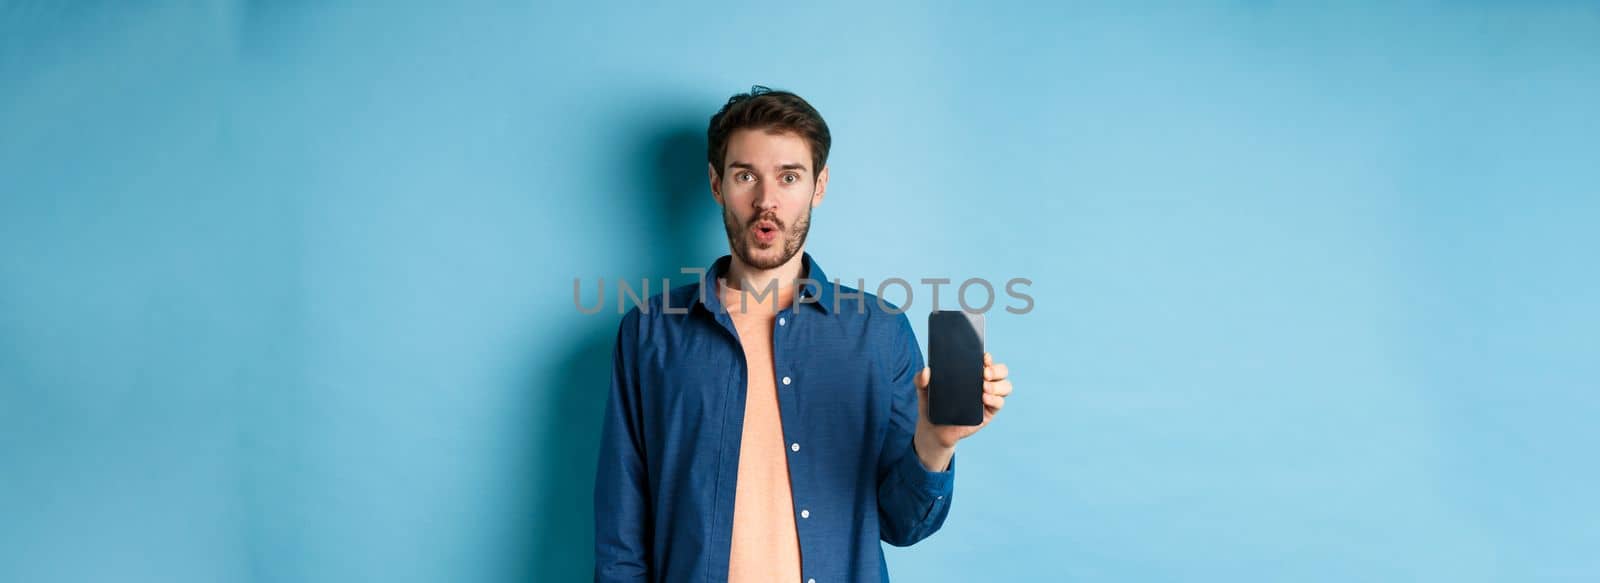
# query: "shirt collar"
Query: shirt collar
815,289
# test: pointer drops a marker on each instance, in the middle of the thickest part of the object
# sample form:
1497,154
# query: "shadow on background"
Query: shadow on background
671,187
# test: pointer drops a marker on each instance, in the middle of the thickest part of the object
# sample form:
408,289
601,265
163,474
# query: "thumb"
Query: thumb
922,378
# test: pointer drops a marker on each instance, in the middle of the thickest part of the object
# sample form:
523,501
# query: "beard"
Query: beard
766,255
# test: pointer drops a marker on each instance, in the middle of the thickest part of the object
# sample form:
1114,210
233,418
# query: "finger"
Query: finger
995,372
988,359
922,378
994,403
999,388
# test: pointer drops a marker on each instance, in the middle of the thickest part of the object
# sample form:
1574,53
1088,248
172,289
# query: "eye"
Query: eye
744,177
791,178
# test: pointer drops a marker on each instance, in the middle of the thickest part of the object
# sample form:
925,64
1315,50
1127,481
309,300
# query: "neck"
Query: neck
741,276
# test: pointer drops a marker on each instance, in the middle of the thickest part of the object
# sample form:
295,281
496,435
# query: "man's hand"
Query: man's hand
937,443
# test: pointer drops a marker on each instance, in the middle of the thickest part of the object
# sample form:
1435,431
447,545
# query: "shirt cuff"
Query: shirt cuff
917,477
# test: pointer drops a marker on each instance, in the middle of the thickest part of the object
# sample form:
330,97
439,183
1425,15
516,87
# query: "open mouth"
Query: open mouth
765,231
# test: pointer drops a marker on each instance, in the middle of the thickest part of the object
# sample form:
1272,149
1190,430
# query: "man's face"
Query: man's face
766,191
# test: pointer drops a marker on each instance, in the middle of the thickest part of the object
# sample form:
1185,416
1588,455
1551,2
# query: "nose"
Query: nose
764,201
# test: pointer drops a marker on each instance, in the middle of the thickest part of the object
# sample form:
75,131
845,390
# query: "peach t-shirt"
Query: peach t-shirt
766,545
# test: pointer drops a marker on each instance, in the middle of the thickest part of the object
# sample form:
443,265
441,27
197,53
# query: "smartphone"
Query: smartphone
955,353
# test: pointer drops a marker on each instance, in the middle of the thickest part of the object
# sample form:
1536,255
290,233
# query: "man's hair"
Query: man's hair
773,111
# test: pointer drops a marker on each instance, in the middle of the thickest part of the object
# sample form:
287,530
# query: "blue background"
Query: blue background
286,287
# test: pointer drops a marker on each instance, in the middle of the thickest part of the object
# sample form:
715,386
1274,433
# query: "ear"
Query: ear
822,187
716,183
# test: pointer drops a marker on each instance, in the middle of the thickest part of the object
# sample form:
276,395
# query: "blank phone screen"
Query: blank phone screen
955,353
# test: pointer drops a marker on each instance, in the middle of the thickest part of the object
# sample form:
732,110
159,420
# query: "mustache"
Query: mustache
772,217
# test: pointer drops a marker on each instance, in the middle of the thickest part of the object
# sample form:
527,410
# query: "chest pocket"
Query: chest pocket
840,397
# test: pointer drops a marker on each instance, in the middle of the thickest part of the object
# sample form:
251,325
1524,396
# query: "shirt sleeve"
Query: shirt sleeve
912,501
622,514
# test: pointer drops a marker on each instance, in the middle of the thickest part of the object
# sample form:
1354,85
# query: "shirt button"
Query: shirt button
811,581
786,381
780,321
794,447
805,514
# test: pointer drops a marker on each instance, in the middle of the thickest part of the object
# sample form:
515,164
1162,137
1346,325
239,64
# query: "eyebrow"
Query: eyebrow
749,166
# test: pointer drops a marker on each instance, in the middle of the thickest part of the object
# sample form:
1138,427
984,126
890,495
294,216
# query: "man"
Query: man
752,435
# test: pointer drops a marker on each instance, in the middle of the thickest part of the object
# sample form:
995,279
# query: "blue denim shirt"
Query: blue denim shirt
669,454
